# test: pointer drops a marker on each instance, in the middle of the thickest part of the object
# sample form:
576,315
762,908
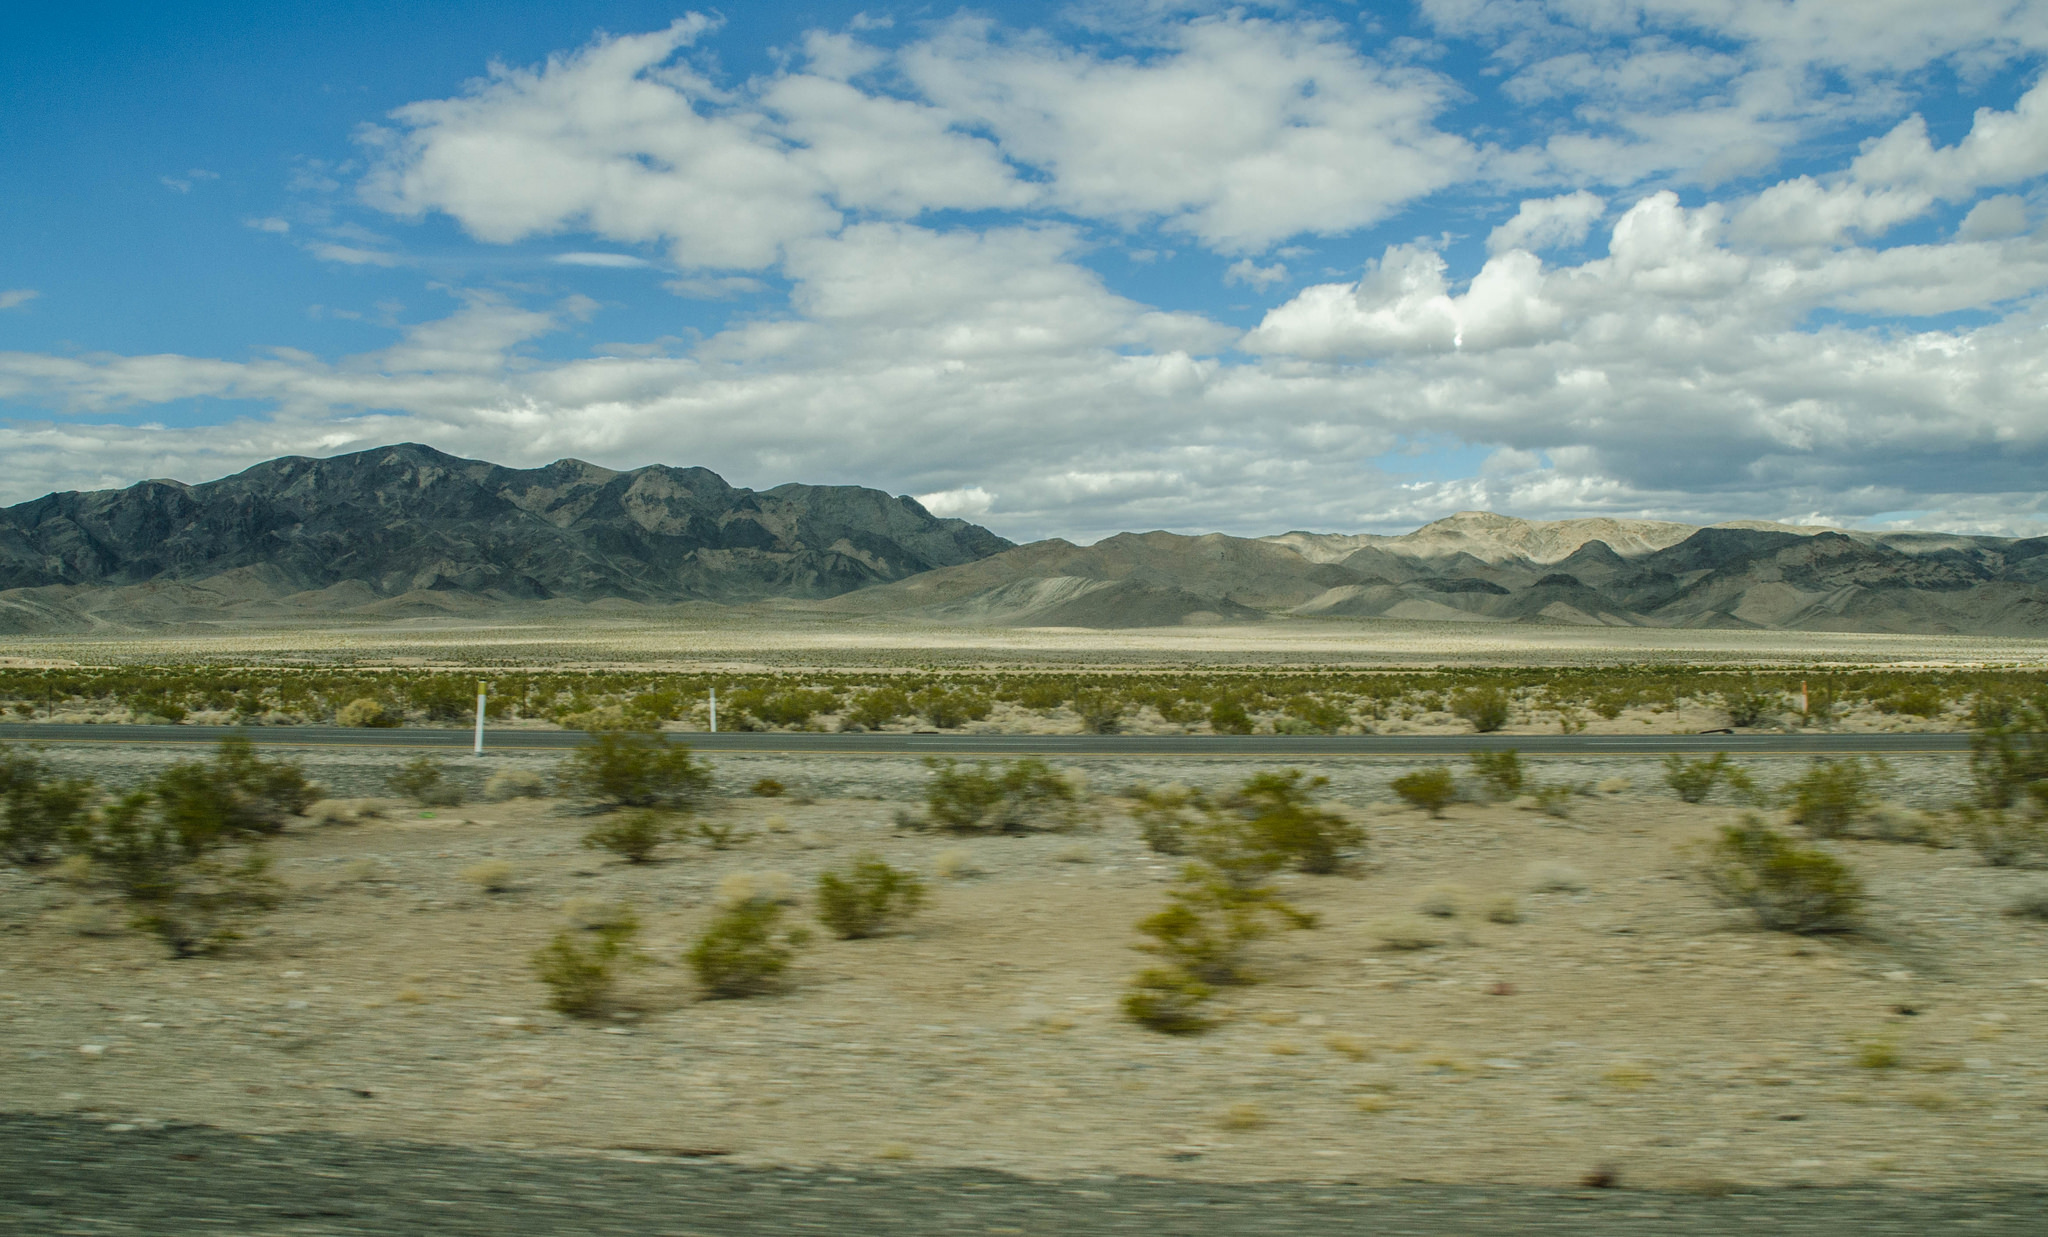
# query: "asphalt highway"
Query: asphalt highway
940,744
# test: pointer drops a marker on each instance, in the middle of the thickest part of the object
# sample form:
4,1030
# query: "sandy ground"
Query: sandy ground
1629,1023
743,640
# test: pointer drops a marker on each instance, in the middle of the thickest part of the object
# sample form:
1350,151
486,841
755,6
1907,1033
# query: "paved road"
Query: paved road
60,1175
935,744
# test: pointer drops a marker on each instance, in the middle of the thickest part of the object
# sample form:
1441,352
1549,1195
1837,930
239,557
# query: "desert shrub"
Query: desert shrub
1885,823
1317,715
794,708
366,712
1018,795
1441,901
2009,752
2007,837
1487,708
628,769
955,863
1228,716
1167,1000
719,834
1281,817
1822,699
1101,711
1912,701
946,708
1044,695
515,784
1789,887
424,780
1501,773
1273,814
175,871
1556,800
1610,703
1163,816
1749,707
581,966
867,898
1833,794
633,836
743,952
1432,789
2029,903
39,811
1210,920
489,875
767,788
876,708
1694,780
1503,909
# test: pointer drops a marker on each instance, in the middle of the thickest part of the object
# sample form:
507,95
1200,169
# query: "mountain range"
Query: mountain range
407,530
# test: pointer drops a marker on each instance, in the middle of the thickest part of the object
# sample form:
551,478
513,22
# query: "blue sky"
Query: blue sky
1063,270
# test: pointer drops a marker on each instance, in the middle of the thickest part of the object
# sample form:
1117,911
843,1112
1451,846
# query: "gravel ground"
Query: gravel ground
62,1176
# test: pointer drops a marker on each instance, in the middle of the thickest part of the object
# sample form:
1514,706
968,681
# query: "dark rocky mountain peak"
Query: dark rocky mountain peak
408,517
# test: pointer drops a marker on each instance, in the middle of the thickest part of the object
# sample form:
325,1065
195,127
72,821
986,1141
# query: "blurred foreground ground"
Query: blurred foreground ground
1628,1024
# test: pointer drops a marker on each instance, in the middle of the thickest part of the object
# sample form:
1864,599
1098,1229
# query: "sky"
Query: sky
1061,270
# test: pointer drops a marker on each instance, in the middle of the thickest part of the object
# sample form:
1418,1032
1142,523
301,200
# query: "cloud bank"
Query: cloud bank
1595,276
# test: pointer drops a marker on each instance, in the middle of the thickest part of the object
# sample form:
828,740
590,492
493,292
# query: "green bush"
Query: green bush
581,967
1912,701
767,788
1101,711
1020,795
1749,707
743,953
367,712
2007,837
2009,752
1044,695
1500,772
1487,708
424,780
629,769
1694,780
876,708
1432,789
38,810
633,836
793,708
1168,1000
1833,794
1790,888
1280,817
946,708
867,898
1163,816
1228,716
168,862
1317,715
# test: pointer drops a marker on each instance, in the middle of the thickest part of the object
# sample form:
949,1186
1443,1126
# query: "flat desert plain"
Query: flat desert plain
1612,1018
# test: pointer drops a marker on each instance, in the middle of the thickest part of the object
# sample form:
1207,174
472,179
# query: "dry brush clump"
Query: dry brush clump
745,949
867,898
1015,797
38,809
635,835
1432,789
2006,819
1833,795
1787,886
1695,780
619,769
1275,812
1224,900
425,781
581,964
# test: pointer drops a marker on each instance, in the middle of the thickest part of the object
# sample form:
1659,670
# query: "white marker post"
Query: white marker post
714,710
479,717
